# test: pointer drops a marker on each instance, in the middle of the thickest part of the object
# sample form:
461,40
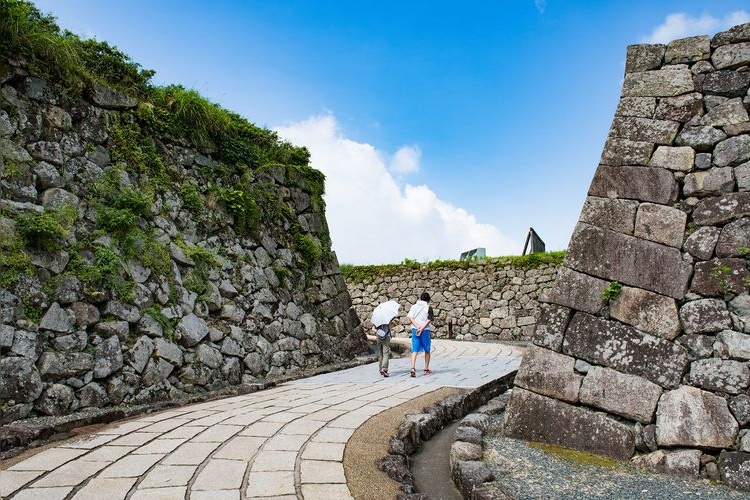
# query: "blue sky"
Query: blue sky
441,126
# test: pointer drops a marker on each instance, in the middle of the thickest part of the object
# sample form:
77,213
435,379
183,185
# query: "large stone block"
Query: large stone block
711,182
659,83
722,209
701,243
731,112
644,57
625,152
735,469
659,223
731,56
732,151
734,239
726,83
615,256
688,50
553,320
742,174
736,344
649,312
723,375
644,129
642,107
623,348
19,380
549,373
691,417
739,308
680,462
679,158
630,396
705,316
610,213
191,329
59,366
533,417
718,277
681,108
700,138
735,34
655,185
576,290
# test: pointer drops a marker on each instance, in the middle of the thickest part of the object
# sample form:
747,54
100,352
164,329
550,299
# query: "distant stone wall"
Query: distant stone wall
177,300
661,370
487,300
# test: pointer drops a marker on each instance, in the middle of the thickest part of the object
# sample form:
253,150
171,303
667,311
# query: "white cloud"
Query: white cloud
406,160
681,25
541,5
372,218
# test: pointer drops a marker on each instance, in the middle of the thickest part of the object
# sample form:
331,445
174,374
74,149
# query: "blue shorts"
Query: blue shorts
420,343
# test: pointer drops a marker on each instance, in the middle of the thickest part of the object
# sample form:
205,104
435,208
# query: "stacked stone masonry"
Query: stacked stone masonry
263,313
487,301
660,372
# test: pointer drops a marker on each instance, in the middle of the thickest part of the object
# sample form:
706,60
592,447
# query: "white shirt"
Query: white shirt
418,312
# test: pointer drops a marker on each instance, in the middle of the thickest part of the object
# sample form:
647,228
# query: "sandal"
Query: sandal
385,373
428,372
413,373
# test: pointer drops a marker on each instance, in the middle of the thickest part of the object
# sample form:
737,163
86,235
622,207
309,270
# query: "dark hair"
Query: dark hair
425,296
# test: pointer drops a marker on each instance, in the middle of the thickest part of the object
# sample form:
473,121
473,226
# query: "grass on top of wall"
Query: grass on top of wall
365,273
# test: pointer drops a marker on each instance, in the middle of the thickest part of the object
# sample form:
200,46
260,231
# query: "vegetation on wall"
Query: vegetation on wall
366,273
241,152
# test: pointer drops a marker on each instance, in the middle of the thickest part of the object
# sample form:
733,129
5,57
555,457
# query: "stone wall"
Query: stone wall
659,370
485,300
177,301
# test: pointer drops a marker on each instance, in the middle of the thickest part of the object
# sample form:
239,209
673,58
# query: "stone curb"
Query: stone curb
418,428
19,436
470,475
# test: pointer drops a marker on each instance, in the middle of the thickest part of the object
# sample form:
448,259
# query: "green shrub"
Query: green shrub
611,291
43,231
191,198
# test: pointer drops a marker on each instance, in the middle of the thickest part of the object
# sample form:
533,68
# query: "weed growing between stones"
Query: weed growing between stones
722,274
46,230
611,291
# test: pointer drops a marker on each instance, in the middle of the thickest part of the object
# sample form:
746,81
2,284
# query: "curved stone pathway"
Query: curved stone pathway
285,443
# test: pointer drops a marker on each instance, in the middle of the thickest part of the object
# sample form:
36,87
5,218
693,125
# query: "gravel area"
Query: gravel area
527,472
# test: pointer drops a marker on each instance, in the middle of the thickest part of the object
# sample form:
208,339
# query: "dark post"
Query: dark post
450,328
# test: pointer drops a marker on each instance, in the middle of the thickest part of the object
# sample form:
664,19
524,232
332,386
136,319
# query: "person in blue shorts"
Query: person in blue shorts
420,316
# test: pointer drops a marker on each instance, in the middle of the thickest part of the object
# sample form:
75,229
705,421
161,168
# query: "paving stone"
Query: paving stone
267,484
170,493
130,466
221,475
262,429
106,489
329,435
89,442
11,481
318,471
162,476
135,439
274,461
324,451
159,446
240,448
44,493
286,442
71,474
218,495
48,459
190,454
217,433
302,426
107,453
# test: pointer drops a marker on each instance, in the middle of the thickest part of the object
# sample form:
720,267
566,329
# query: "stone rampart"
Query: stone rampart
486,300
125,274
657,367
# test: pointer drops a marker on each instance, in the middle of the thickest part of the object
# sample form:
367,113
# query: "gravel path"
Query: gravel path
527,472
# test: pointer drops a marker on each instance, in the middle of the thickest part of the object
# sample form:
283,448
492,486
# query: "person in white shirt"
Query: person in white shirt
420,316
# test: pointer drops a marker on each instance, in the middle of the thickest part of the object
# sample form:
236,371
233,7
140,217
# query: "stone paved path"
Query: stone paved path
285,443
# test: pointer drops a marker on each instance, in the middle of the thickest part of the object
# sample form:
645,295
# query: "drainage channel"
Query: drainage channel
431,466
